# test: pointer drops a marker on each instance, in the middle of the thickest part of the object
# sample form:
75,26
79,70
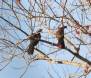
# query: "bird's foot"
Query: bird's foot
59,46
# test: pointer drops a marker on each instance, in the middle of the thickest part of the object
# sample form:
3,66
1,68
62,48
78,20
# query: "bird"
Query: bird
34,40
60,37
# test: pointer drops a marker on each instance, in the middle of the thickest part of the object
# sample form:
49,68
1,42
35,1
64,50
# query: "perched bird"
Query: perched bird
34,39
60,37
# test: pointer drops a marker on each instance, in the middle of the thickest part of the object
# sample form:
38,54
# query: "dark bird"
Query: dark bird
34,39
60,37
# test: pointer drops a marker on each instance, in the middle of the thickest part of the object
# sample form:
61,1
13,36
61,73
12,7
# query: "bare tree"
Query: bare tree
19,19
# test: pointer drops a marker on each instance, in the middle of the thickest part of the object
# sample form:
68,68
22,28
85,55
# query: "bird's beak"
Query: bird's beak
40,30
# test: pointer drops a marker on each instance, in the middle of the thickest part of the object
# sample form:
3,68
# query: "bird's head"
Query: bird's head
59,28
39,30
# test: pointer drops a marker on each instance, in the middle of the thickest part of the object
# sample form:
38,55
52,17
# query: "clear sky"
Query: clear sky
41,68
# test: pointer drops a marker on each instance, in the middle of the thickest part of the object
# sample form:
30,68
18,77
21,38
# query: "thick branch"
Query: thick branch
80,57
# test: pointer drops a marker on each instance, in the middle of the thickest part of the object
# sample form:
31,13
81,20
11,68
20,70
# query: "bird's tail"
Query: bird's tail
30,49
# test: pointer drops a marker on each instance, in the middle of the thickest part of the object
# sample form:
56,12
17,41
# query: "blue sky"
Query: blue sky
40,68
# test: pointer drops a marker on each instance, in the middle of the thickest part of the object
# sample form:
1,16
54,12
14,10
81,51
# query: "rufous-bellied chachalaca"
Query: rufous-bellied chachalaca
60,37
34,39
